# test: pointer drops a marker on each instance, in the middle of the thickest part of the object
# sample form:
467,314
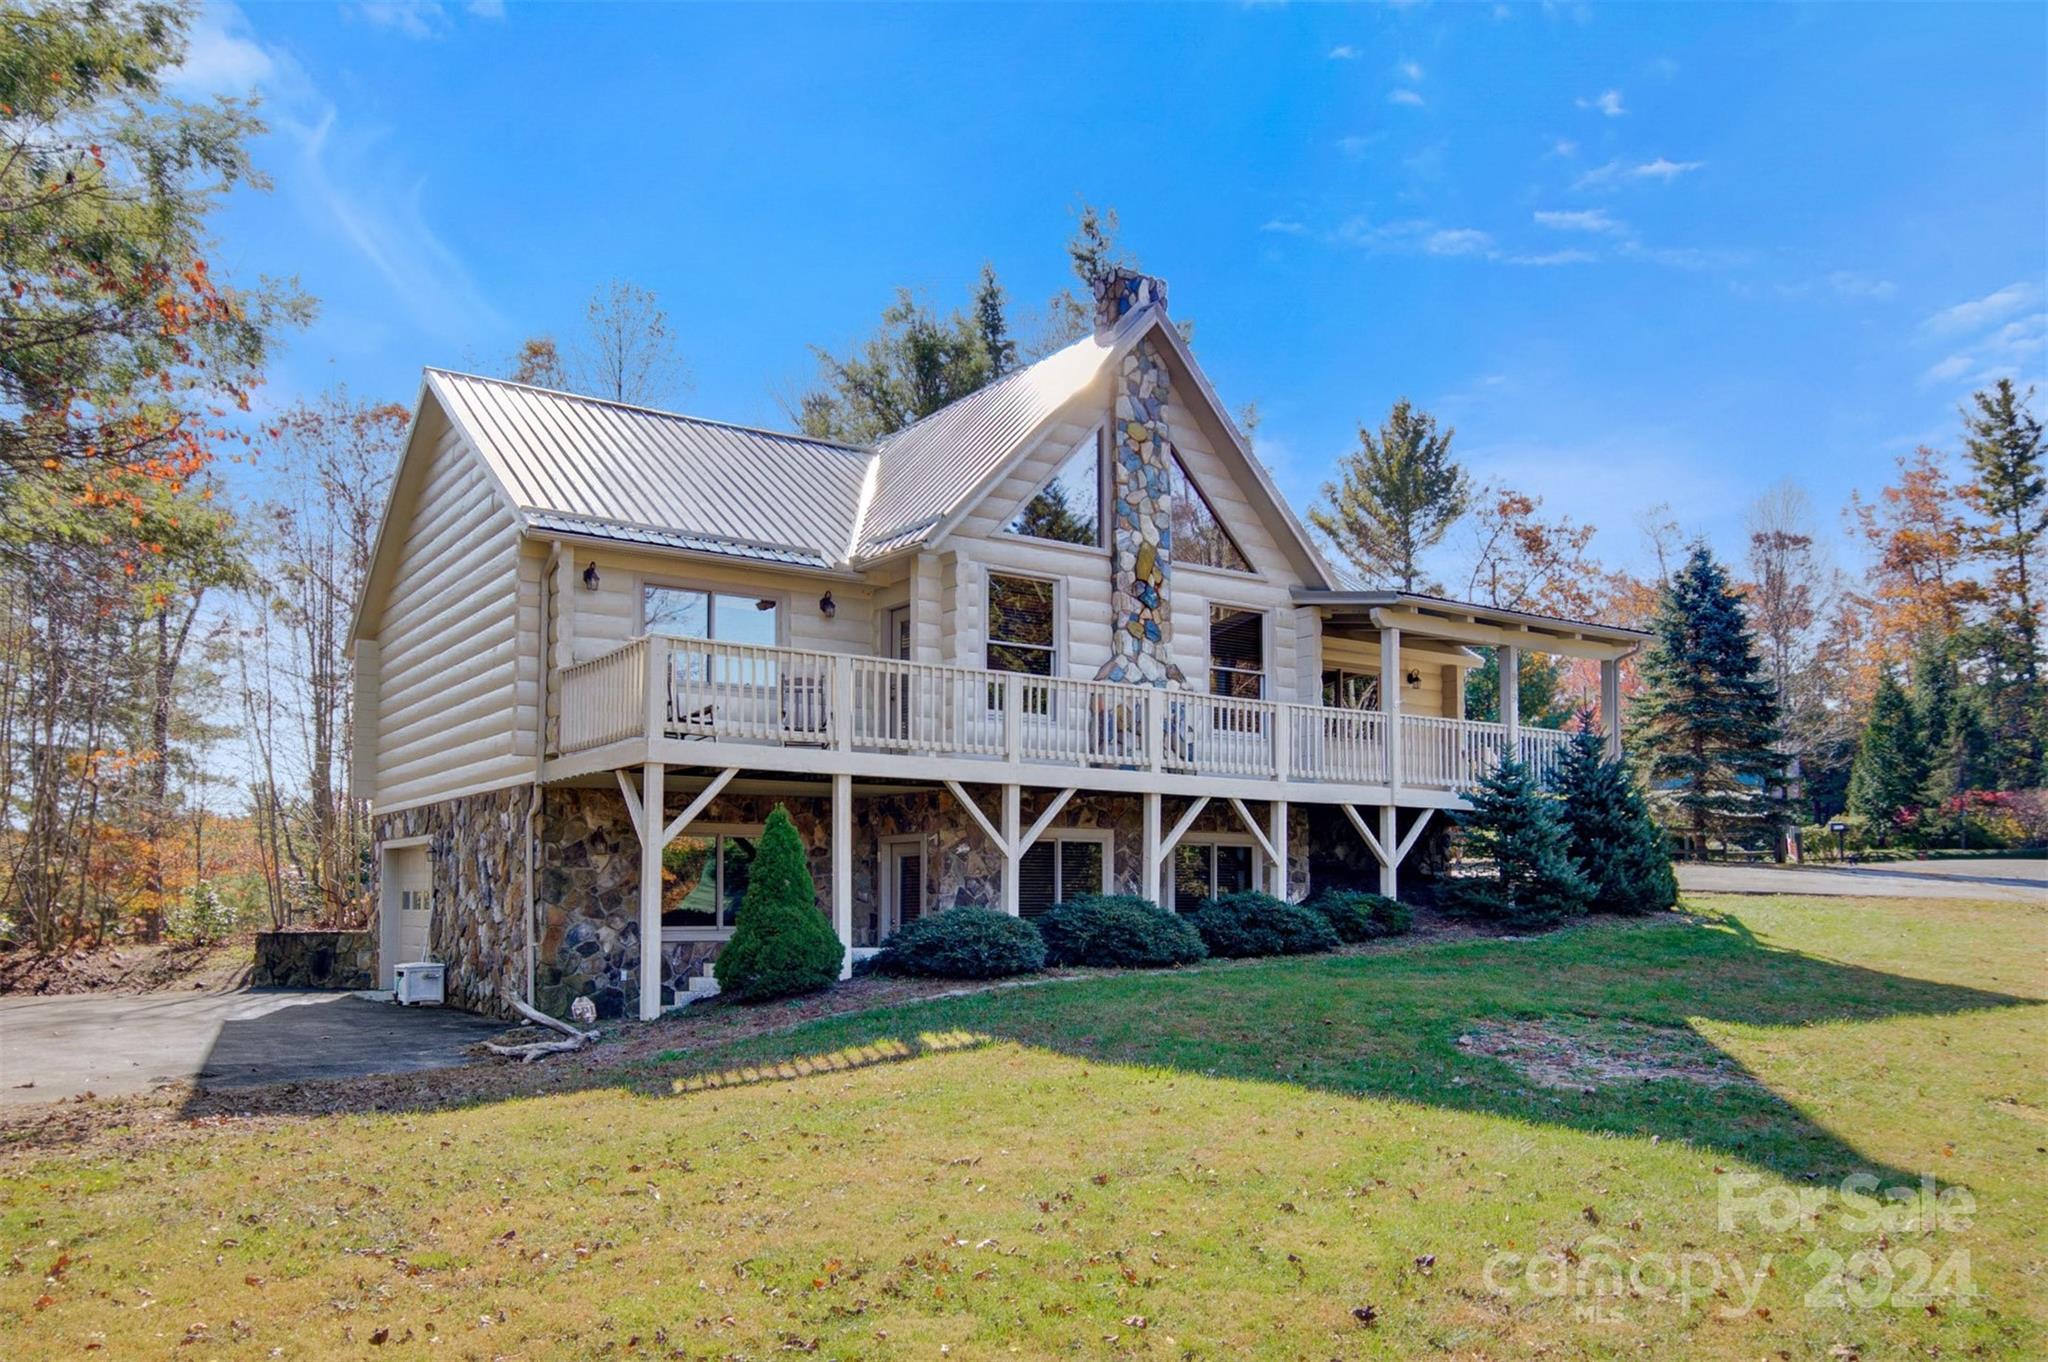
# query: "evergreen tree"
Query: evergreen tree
2004,444
1959,761
1934,691
1513,825
914,364
1706,725
781,944
1399,494
1540,682
1890,764
992,324
1617,844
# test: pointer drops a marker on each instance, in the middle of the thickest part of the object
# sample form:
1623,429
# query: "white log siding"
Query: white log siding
1439,696
455,684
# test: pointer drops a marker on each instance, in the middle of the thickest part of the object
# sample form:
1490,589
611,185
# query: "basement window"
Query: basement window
1208,868
703,880
1059,866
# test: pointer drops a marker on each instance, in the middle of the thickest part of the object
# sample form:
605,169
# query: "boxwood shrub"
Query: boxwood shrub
963,943
1358,916
1251,923
1120,930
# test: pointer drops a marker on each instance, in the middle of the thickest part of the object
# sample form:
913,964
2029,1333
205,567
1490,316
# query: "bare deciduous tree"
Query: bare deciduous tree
629,353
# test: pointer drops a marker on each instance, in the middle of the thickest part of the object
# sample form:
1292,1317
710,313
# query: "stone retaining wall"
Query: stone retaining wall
338,960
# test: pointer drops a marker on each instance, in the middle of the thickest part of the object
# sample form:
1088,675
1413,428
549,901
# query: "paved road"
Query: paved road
52,1048
2016,880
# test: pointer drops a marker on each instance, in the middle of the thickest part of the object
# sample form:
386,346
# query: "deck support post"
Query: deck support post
1390,865
653,781
1150,857
1013,850
1610,705
842,870
1276,824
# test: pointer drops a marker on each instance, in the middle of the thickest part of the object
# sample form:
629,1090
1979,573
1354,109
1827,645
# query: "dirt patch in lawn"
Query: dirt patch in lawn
1586,1055
128,968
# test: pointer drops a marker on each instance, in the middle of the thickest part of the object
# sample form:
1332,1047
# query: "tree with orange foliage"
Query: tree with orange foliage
1919,579
123,354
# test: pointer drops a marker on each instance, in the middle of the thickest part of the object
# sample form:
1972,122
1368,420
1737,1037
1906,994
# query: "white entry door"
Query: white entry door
413,881
902,885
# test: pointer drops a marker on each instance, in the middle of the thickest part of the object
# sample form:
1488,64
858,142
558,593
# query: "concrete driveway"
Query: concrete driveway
2022,881
58,1047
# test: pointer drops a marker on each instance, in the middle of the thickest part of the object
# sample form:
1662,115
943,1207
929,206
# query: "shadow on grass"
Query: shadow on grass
1389,1026
1371,1026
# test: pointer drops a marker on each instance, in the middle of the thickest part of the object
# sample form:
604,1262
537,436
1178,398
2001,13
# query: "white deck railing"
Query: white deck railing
747,693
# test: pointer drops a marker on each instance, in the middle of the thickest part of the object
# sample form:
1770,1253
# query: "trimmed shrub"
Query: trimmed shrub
781,944
1355,915
1250,923
1120,930
964,943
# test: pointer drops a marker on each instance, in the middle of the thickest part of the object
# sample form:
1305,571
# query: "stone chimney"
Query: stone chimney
1141,513
1120,291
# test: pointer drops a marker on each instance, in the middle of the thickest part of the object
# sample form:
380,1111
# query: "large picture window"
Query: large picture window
1237,652
703,880
1021,626
1059,866
1207,869
684,612
1198,536
1069,507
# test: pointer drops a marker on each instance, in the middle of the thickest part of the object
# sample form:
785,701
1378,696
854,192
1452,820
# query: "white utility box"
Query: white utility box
420,982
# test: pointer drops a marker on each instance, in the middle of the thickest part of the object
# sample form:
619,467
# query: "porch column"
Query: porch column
1013,854
1390,865
1511,697
1610,705
842,870
653,780
1390,700
1148,875
1276,833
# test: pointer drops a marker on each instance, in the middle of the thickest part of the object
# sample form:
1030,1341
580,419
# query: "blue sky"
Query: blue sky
1634,255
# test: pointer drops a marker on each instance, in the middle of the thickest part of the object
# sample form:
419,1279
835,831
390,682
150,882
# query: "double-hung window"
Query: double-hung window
1237,652
1023,635
703,879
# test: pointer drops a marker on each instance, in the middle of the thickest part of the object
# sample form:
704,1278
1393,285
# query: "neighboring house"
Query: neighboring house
1061,636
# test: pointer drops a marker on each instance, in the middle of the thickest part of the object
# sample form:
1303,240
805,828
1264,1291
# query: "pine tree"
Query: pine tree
1515,826
993,325
2004,444
1706,725
781,944
1890,763
1612,836
1400,493
1959,761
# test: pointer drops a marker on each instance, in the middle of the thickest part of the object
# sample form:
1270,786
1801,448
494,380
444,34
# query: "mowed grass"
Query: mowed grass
1281,1159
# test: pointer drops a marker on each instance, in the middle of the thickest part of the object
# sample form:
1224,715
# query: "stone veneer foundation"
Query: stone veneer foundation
477,851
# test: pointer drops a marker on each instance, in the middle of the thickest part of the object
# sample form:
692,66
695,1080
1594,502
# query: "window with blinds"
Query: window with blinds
1055,869
1204,870
1237,652
1020,626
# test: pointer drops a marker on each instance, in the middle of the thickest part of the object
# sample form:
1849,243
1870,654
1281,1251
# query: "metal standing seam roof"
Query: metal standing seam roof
656,477
929,468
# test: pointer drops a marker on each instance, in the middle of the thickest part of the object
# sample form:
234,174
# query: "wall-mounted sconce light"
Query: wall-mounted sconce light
1414,679
827,606
590,577
764,605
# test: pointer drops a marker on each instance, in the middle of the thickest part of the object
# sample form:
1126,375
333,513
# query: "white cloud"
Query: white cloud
1356,146
1955,366
1285,227
486,9
1851,284
1408,97
222,57
1607,102
1685,257
1589,220
1344,52
1667,171
1564,147
413,18
1981,312
1546,258
1458,241
1411,72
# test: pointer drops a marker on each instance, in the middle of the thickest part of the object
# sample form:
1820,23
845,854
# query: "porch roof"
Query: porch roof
1471,622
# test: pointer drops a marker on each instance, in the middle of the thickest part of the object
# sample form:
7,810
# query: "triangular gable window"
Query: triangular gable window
1198,536
1069,507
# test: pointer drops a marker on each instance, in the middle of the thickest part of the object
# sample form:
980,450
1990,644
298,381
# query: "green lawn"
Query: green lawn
1222,1163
